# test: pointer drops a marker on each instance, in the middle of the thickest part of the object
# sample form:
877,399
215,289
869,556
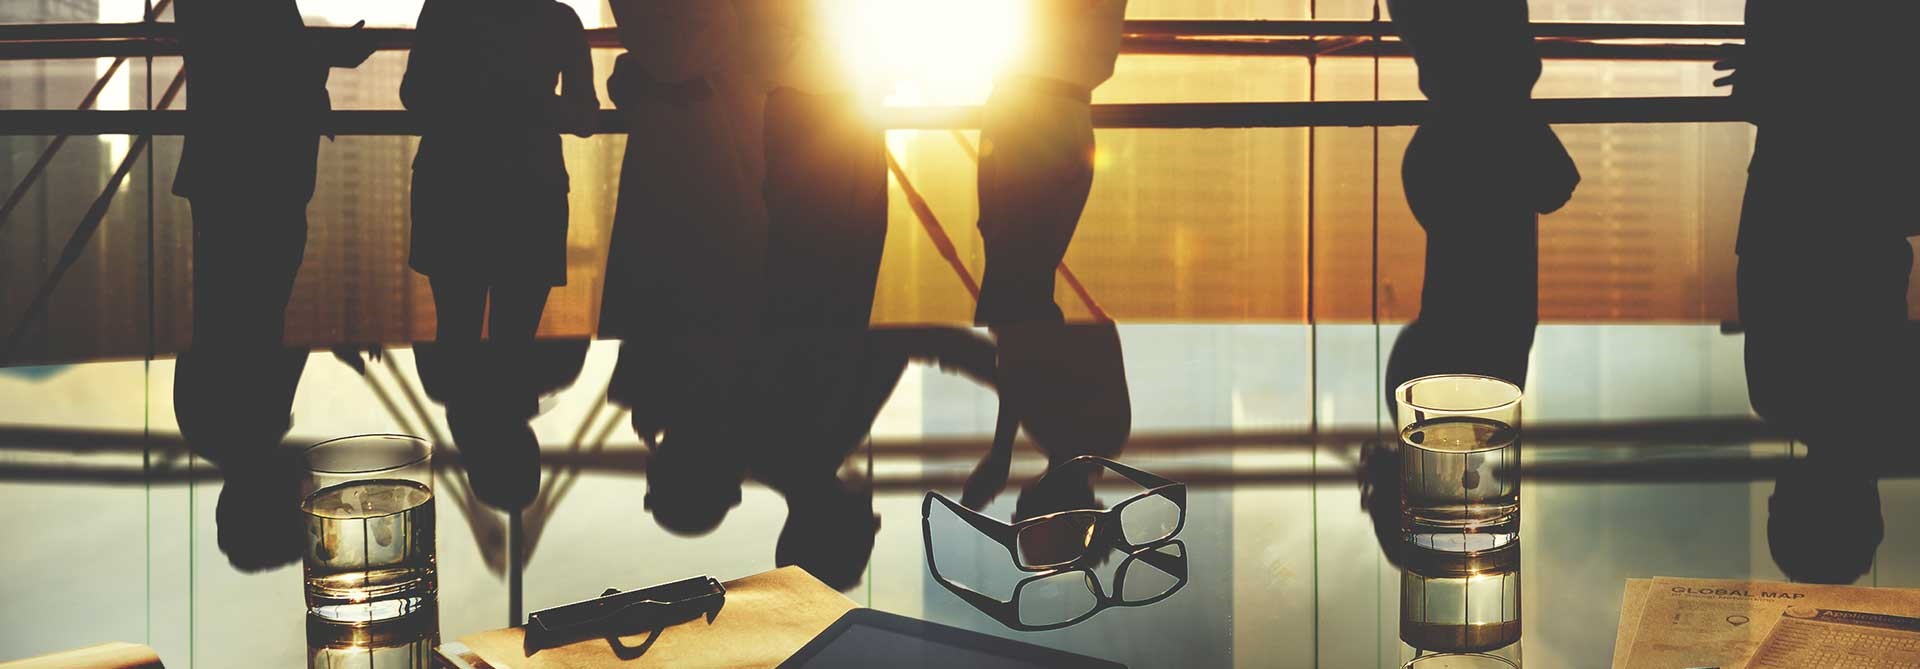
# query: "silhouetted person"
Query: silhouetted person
258,96
1824,267
813,378
1824,262
1478,173
684,265
490,209
825,177
489,182
492,390
1066,386
1036,154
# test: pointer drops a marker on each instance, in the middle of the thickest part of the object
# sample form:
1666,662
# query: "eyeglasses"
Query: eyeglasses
1067,597
1060,539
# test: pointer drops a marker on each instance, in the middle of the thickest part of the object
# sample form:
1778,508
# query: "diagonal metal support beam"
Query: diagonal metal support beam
83,233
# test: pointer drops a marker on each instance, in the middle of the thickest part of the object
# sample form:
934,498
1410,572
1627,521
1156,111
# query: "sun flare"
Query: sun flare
926,52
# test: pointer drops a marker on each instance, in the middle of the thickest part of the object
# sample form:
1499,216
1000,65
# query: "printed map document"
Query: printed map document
1805,637
1719,623
1632,602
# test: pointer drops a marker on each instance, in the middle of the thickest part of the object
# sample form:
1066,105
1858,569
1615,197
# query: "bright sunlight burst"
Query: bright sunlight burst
926,52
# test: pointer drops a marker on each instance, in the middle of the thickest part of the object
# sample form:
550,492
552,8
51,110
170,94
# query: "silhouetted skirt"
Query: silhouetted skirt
492,218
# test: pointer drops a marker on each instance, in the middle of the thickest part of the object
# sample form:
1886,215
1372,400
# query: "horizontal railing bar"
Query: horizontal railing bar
1245,38
1139,116
1136,28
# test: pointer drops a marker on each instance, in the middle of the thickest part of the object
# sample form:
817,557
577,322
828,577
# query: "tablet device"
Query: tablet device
869,638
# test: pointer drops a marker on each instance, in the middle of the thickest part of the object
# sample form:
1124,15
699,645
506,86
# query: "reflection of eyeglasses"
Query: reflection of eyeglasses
1067,597
1059,539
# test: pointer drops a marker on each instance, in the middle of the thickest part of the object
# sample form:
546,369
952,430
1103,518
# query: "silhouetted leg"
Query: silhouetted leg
459,306
1828,362
826,197
1478,304
246,255
516,311
1826,347
1036,171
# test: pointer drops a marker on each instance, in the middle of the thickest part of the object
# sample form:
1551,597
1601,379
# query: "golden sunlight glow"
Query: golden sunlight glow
926,52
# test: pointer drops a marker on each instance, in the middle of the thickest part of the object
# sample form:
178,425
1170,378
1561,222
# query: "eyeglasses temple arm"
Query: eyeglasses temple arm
987,525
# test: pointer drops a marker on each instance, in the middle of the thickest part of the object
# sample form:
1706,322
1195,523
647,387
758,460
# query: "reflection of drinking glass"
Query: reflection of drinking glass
402,643
1461,610
369,547
1459,462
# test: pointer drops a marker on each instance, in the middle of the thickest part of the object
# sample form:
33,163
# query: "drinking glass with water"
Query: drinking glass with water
369,552
1459,462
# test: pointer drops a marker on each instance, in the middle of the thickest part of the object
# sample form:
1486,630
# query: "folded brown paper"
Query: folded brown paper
116,655
766,619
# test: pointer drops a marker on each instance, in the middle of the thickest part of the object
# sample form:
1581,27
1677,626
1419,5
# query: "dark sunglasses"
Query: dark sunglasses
1063,538
1067,597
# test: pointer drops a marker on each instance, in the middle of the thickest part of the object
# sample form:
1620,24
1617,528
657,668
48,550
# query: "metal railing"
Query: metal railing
1559,40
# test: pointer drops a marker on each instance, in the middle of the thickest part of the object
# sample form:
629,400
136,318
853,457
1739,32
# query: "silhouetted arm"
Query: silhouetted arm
421,88
346,49
574,108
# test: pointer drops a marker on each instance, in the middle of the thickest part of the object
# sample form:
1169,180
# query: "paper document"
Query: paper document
1806,637
1715,623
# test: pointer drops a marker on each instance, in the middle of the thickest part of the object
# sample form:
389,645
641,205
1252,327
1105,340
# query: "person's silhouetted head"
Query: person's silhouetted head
829,532
1065,488
1824,523
690,488
1380,496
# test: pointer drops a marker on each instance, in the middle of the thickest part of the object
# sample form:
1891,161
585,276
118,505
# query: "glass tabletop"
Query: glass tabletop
1641,458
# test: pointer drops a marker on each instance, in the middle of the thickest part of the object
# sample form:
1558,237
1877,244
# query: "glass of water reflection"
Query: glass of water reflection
368,503
1459,462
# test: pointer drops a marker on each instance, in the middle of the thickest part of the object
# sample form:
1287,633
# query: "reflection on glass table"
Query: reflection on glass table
1057,539
406,642
1262,423
1066,597
1461,611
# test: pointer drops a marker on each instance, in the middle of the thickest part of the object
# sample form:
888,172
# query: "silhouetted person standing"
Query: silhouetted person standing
1478,174
258,96
825,178
683,283
1824,267
490,211
1824,260
1036,154
489,182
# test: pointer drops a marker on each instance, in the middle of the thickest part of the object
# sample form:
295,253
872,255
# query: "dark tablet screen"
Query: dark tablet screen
861,645
868,638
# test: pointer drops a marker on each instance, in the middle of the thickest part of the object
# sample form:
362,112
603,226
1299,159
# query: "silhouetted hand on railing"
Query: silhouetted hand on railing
350,48
1732,58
